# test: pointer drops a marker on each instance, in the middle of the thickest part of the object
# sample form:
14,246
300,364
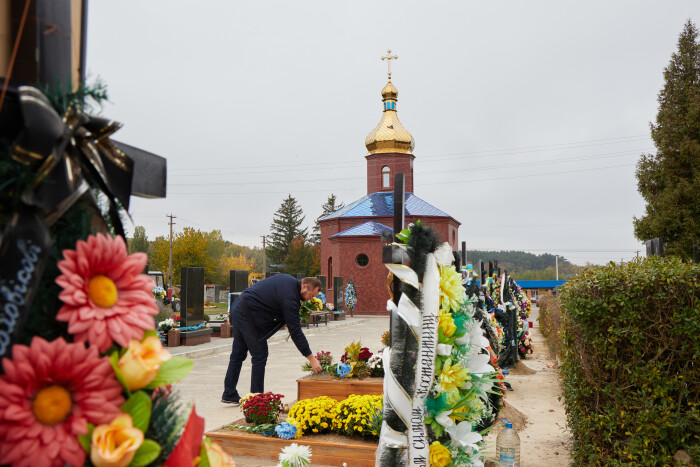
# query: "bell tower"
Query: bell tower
389,145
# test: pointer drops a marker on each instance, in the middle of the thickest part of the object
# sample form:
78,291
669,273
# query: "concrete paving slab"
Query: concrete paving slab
205,384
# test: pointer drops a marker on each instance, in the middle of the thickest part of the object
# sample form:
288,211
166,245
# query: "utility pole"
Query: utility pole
264,257
557,264
170,257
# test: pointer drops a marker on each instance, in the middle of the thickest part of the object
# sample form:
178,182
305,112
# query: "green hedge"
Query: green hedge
631,362
550,322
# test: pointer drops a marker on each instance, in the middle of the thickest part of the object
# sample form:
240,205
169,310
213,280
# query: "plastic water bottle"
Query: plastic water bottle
508,446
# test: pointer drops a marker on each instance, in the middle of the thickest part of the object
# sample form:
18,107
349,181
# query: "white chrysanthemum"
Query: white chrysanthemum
295,455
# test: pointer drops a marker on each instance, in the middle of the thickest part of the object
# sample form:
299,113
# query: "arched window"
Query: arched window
330,270
386,177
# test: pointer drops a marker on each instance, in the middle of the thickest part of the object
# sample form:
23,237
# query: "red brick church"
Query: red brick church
351,237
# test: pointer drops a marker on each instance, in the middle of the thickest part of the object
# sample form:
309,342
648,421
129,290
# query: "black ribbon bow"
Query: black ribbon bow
70,154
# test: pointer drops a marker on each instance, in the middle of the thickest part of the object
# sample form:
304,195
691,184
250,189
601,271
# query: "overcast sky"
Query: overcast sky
528,116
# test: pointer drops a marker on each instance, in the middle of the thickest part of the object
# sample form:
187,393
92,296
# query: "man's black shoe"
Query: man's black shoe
235,403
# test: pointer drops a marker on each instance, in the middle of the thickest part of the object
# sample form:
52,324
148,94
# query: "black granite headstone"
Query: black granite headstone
192,293
338,293
323,283
238,280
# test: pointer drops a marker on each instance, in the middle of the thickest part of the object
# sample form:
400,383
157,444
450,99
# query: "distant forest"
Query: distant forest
525,266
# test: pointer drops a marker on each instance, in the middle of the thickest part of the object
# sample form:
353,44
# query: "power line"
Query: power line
493,167
482,153
335,188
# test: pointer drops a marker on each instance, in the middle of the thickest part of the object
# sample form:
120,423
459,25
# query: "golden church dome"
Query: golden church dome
390,135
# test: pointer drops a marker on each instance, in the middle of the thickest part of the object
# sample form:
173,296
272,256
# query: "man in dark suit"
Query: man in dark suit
259,312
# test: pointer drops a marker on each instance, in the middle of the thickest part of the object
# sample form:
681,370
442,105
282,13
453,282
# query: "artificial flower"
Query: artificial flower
295,455
444,350
139,365
106,298
452,376
439,455
286,430
479,363
115,444
444,419
217,457
446,323
344,370
462,433
451,288
49,392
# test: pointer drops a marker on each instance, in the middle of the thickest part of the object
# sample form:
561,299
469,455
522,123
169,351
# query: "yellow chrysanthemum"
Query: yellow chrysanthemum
439,455
452,376
447,324
451,289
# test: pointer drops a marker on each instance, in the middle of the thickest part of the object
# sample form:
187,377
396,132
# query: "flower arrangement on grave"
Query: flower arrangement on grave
356,357
358,415
325,359
525,341
451,380
309,306
312,415
321,296
158,292
166,325
376,366
350,296
386,338
295,455
329,307
262,409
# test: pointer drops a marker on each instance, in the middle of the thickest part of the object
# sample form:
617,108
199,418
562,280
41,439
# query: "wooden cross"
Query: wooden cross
389,58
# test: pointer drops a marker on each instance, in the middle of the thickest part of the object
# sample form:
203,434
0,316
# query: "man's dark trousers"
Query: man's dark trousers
244,342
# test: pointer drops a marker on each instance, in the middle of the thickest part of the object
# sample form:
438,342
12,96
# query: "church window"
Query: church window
362,260
386,177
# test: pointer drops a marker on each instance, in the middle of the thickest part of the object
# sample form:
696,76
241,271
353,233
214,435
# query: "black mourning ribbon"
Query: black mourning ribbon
70,154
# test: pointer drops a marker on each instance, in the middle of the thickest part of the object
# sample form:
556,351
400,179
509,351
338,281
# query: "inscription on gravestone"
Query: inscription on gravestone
192,294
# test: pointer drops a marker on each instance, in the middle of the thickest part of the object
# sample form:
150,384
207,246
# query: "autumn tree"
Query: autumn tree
329,207
139,242
303,258
286,225
669,181
231,263
192,248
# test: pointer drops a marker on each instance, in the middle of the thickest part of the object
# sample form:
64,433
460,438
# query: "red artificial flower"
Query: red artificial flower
106,298
49,393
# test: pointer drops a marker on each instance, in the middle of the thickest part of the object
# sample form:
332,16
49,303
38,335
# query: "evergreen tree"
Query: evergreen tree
285,226
669,181
328,208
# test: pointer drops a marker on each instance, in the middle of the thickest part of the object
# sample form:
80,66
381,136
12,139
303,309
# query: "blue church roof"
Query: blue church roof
382,204
368,228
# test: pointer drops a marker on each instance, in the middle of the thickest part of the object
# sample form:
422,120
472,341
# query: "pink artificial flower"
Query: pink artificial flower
48,394
106,298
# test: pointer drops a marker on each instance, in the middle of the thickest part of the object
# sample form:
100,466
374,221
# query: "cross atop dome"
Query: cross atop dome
389,58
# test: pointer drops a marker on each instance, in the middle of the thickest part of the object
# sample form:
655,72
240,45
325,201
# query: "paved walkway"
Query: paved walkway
205,383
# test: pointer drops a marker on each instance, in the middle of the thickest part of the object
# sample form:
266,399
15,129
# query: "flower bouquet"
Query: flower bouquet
158,292
309,306
262,409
